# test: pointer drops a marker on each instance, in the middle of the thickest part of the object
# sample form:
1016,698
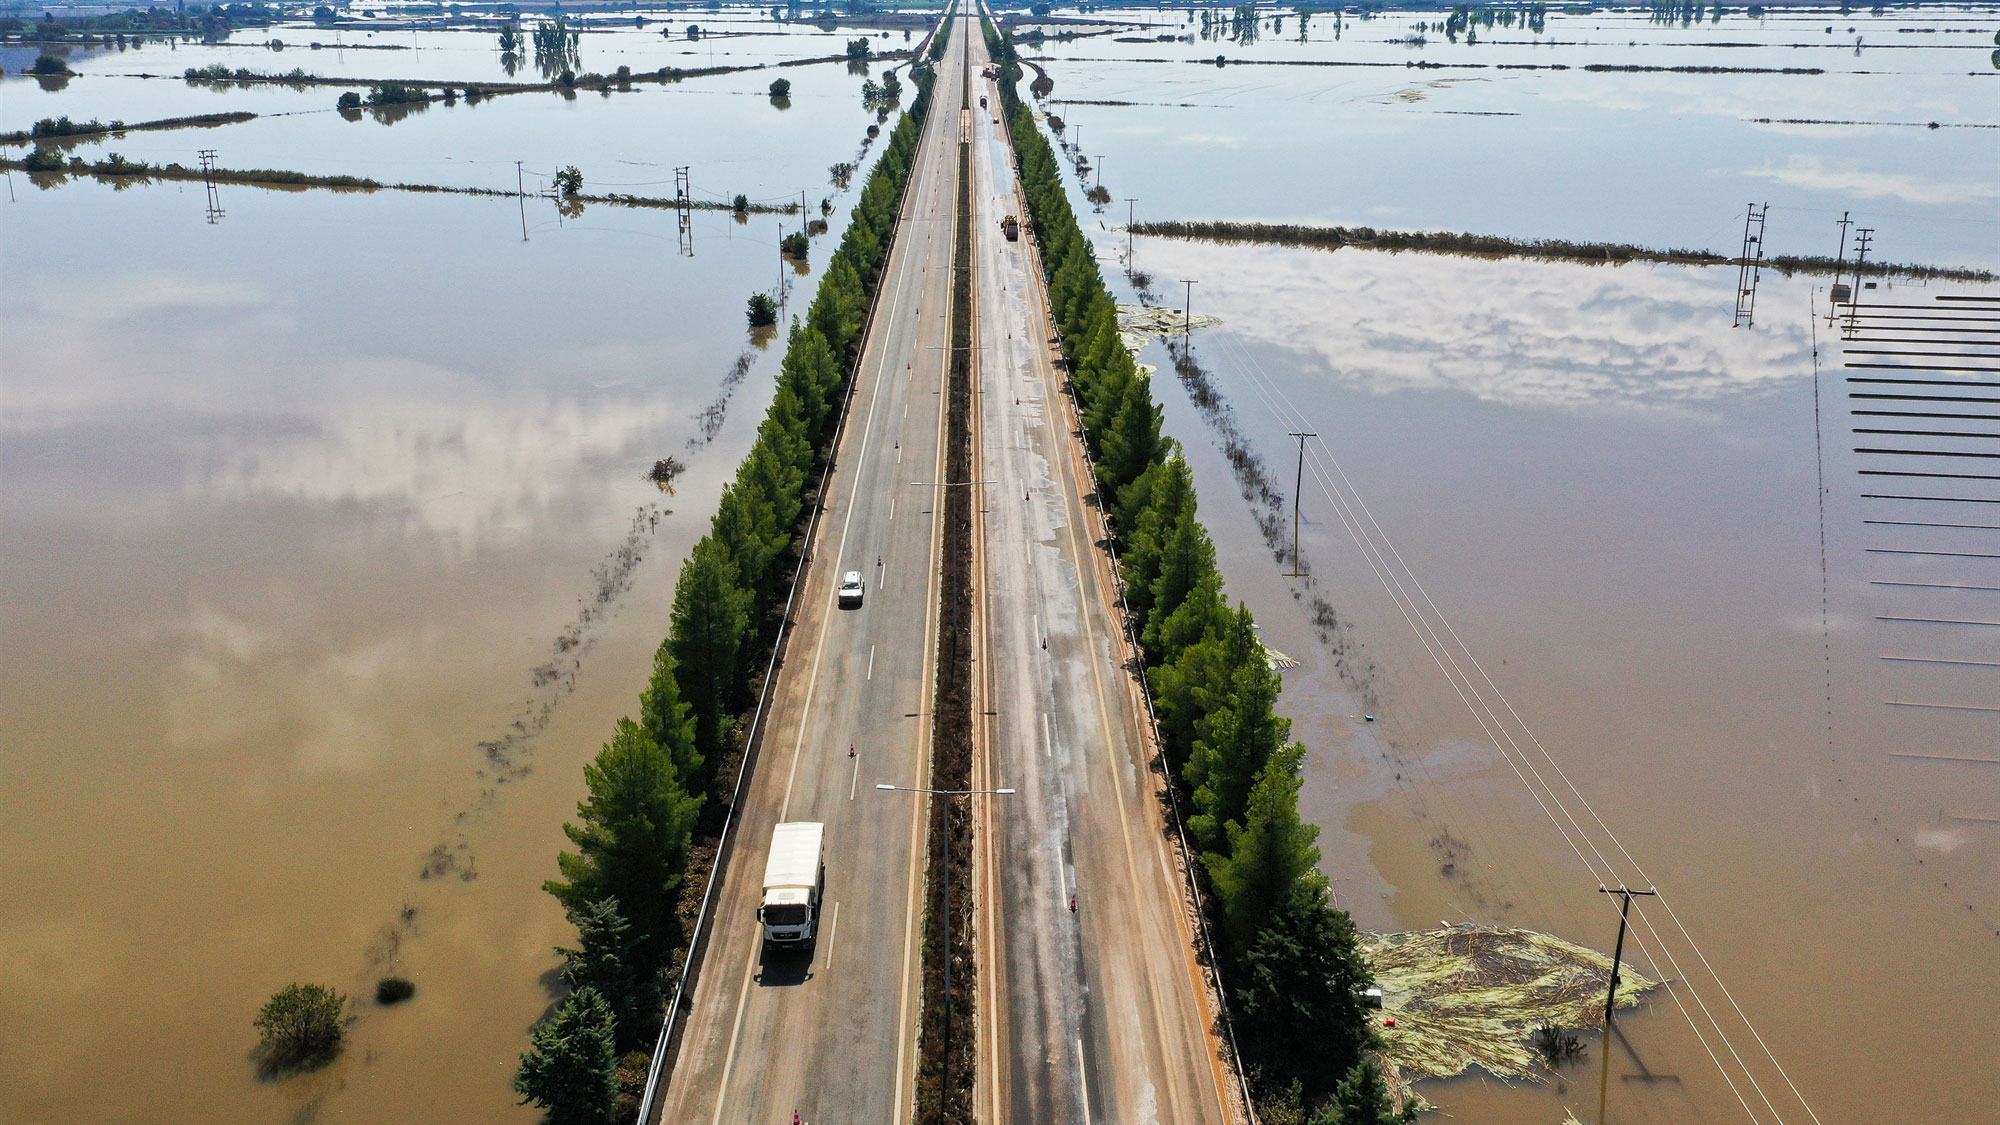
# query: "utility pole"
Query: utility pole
1611,990
1097,170
521,193
1298,492
1862,237
1749,267
207,178
682,204
1187,312
1129,201
1839,263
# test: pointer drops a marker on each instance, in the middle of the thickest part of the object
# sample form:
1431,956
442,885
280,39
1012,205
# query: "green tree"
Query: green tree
763,310
1268,854
1363,1098
570,1069
632,839
570,181
1186,556
604,960
666,716
1236,739
711,616
1133,442
301,1026
781,88
1298,992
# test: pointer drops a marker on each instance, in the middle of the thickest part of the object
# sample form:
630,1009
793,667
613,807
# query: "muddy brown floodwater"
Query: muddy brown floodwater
1608,497
319,585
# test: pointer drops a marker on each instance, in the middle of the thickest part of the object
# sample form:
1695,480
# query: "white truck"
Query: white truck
794,881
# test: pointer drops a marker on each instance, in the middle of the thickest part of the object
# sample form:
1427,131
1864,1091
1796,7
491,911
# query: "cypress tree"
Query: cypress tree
710,618
665,716
1271,852
570,1068
604,960
632,837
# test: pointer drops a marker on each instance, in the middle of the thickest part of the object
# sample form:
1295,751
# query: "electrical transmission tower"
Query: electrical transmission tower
208,179
684,205
1751,265
1862,237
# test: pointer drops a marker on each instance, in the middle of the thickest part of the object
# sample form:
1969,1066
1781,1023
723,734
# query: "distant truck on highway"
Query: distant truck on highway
1011,227
794,882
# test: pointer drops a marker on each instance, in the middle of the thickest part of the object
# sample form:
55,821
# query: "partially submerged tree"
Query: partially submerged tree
301,1026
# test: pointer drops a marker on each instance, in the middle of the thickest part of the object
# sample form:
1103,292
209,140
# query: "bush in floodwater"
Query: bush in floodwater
740,205
393,990
349,100
796,244
49,64
394,93
43,159
781,88
301,1027
569,181
763,310
64,127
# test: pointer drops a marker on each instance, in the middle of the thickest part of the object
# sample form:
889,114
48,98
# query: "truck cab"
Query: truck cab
794,884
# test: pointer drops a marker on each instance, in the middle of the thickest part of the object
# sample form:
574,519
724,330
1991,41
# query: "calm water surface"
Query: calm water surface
297,504
1609,495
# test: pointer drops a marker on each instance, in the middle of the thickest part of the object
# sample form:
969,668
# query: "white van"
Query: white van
851,590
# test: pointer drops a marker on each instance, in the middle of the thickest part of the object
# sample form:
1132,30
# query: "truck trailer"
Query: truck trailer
794,882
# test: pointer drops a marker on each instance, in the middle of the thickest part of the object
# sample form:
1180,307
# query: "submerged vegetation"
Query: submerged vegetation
1295,968
300,1028
1498,246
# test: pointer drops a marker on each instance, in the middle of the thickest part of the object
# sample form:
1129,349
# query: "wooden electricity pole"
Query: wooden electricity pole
1298,492
1611,990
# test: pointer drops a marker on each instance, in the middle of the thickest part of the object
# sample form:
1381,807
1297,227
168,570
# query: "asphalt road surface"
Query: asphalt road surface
1091,1014
831,1035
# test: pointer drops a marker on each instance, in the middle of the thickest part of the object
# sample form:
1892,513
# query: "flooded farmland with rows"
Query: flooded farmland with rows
329,552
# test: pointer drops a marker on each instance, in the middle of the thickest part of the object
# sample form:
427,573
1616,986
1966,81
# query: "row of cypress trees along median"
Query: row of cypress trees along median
647,833
1295,971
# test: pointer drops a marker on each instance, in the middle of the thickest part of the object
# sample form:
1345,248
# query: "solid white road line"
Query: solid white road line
832,930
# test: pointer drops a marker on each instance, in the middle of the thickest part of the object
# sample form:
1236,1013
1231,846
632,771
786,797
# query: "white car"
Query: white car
851,589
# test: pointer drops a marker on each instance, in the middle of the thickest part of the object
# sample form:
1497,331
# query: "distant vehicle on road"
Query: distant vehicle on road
794,881
852,589
1011,227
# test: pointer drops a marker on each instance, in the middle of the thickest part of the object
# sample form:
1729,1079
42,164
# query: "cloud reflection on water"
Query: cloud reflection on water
1536,334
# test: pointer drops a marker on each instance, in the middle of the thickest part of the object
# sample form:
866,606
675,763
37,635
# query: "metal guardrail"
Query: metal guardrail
752,745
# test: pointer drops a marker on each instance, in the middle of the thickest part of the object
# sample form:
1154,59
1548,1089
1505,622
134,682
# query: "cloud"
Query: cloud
1812,174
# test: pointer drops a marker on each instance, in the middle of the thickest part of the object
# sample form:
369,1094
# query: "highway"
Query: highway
832,1035
1091,1014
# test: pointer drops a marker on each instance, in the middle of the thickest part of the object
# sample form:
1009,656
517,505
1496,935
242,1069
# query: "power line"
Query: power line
1483,712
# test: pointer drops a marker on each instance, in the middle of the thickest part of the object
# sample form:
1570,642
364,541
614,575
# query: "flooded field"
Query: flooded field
1575,617
1512,135
1607,495
330,555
